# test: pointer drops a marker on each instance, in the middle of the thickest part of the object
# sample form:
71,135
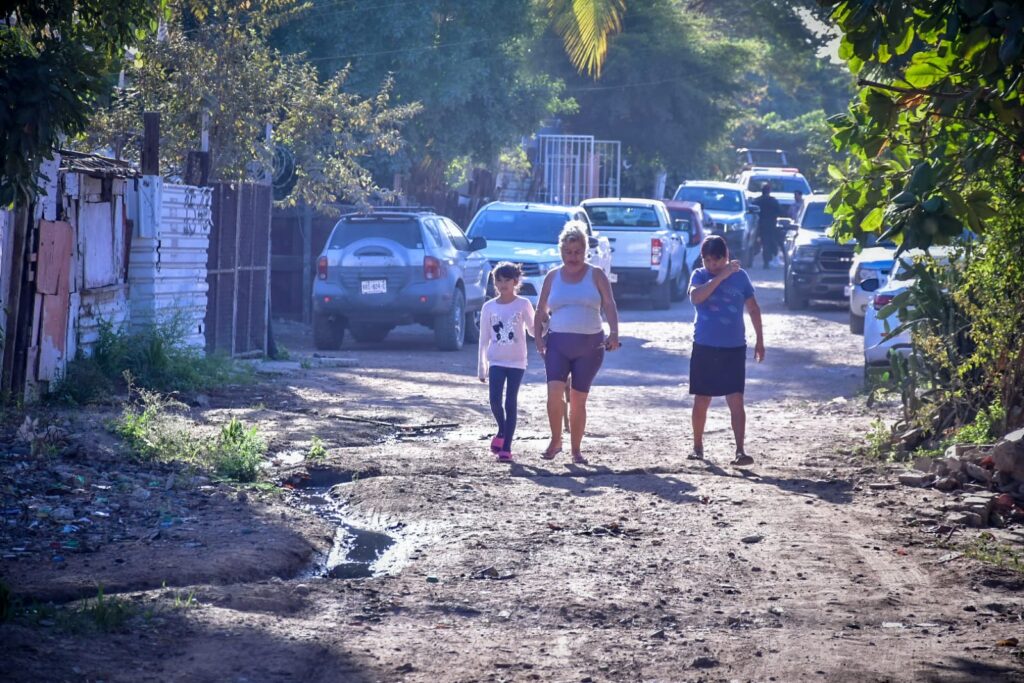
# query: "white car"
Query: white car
649,250
785,183
878,342
871,264
526,233
726,204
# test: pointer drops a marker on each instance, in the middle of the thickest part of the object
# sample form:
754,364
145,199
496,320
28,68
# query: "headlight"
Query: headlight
866,274
804,254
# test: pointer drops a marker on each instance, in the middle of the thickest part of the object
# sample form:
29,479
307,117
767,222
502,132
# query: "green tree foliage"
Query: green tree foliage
54,56
655,92
933,125
936,138
465,62
585,26
215,61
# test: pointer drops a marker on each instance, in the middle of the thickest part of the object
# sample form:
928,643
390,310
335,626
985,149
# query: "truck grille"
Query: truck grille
837,260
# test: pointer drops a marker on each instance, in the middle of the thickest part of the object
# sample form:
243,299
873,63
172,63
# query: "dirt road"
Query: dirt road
642,566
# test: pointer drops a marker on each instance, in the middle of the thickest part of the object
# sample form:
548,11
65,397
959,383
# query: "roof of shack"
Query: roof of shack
96,165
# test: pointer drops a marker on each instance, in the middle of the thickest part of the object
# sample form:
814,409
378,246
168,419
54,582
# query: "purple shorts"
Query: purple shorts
580,355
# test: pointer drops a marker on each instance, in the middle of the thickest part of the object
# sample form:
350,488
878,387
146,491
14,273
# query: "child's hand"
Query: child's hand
482,379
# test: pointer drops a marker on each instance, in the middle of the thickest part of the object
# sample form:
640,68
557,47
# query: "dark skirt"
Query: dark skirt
717,371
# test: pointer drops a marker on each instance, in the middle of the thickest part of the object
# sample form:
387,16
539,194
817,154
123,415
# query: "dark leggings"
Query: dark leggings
505,415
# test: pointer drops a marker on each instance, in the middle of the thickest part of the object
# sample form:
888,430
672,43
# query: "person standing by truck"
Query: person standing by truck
770,212
720,291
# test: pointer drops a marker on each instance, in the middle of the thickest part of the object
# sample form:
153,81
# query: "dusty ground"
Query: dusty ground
633,568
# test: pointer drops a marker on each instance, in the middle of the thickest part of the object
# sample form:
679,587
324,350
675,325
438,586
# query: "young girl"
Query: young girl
504,321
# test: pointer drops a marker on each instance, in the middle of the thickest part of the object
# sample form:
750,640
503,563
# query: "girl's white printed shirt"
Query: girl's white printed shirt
503,330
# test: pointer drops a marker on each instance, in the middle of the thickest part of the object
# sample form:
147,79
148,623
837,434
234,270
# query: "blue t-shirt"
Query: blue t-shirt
719,319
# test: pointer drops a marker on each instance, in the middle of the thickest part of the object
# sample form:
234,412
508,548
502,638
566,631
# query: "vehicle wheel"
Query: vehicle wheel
856,324
473,326
369,333
661,296
328,333
680,284
450,327
793,302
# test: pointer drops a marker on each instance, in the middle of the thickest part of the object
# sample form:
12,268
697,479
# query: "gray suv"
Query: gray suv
390,268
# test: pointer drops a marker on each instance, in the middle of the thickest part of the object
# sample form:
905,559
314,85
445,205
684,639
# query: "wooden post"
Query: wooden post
151,143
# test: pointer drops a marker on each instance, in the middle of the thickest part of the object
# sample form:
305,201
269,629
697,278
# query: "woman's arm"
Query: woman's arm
542,314
611,311
699,293
755,317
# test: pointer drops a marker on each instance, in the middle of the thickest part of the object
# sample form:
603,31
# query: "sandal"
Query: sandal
504,456
697,453
497,443
551,452
578,459
742,460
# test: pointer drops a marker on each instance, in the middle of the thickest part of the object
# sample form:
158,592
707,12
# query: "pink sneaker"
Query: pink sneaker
497,443
504,456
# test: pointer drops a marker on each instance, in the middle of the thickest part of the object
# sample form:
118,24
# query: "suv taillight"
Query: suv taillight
321,268
431,268
655,251
882,300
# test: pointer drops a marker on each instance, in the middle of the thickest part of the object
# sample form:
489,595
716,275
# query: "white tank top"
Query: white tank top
575,307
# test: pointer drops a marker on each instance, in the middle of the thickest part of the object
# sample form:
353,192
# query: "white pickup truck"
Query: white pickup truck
648,249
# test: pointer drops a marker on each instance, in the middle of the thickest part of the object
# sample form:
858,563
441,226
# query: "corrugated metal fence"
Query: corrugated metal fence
238,269
167,270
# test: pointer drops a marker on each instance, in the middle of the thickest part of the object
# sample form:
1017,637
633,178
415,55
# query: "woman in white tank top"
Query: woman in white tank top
572,299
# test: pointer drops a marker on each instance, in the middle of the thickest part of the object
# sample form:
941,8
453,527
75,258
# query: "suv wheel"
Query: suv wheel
679,284
368,333
328,333
789,295
856,324
473,326
661,296
450,327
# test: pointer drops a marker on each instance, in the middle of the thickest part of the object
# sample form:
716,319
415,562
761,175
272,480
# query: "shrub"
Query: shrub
153,430
238,452
316,452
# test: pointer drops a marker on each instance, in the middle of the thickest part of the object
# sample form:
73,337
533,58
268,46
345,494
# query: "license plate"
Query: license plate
375,286
613,278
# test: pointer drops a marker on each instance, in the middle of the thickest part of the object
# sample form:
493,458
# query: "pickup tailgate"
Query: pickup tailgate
630,248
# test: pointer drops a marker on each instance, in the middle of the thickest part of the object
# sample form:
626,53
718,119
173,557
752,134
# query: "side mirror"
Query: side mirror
869,285
478,243
592,242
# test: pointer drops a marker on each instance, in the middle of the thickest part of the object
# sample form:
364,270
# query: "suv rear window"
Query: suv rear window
711,198
615,215
518,226
779,184
405,231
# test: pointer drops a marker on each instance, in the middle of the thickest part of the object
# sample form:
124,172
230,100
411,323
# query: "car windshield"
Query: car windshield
779,184
711,198
620,216
683,215
518,226
405,231
816,217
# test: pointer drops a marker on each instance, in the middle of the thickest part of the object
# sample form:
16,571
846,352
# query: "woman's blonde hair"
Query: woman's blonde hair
573,231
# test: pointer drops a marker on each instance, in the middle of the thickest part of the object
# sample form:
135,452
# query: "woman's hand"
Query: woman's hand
759,351
611,342
542,345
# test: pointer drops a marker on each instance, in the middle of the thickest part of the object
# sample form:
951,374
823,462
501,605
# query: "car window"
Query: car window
711,198
456,235
815,217
435,233
405,231
684,215
505,225
623,216
779,184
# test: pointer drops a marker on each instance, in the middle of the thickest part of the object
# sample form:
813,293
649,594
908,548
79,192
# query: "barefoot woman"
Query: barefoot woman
572,299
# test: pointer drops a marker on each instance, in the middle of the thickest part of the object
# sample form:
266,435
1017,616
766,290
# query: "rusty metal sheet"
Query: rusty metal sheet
53,336
53,263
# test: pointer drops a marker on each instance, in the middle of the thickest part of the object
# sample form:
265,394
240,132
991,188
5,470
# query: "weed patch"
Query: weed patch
316,452
879,440
988,550
238,452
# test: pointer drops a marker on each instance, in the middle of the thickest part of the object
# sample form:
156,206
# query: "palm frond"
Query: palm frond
585,26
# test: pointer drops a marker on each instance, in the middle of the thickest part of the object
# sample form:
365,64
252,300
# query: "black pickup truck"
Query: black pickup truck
817,267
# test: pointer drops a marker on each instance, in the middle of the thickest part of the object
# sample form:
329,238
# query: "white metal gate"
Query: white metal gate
577,167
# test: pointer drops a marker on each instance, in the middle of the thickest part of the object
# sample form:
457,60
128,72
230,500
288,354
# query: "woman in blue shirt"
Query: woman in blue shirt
719,292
